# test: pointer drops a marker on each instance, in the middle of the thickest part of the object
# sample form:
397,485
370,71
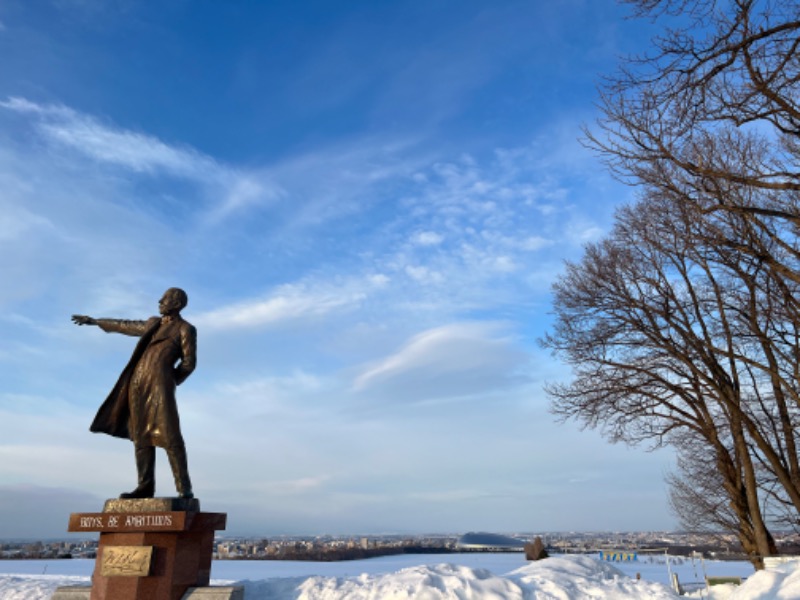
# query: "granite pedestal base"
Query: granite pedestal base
214,592
150,549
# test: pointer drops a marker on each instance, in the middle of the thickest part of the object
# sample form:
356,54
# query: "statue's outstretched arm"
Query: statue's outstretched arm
135,328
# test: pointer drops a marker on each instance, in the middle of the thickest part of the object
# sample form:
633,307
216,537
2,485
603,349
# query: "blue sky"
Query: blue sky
367,203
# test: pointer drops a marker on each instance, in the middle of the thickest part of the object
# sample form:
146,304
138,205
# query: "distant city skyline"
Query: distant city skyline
367,203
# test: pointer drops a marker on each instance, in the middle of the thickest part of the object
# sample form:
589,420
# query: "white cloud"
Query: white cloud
427,238
581,232
346,178
452,360
292,302
23,105
146,154
244,191
424,274
67,230
288,304
135,151
488,259
534,242
379,280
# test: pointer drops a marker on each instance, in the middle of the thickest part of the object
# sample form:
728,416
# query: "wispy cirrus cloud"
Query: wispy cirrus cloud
448,236
451,360
349,178
469,233
145,154
292,302
105,143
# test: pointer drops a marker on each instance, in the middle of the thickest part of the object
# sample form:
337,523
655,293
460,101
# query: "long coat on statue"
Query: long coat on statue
142,405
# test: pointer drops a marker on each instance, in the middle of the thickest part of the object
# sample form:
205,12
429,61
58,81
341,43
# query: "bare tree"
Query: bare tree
684,324
723,65
671,334
713,109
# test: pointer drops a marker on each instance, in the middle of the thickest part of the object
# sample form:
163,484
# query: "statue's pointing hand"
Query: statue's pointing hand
83,320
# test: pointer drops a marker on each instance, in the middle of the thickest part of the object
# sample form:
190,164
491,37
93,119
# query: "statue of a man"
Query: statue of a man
142,405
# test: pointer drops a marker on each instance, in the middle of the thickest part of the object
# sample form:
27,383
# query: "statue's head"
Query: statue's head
174,300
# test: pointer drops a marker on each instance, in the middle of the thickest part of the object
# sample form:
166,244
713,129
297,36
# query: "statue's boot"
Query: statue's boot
180,471
146,470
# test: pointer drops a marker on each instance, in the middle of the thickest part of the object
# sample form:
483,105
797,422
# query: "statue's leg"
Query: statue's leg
180,470
146,470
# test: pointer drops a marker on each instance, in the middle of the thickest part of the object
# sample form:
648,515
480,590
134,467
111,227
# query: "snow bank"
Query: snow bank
35,587
565,578
558,578
781,583
420,583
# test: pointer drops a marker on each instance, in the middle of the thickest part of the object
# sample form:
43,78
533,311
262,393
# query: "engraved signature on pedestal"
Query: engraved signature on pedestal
127,561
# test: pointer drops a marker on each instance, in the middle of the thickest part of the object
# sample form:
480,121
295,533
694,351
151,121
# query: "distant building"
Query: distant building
489,541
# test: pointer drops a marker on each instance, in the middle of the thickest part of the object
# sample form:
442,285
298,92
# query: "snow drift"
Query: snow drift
558,578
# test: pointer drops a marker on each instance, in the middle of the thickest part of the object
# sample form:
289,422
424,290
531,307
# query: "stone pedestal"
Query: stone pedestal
150,549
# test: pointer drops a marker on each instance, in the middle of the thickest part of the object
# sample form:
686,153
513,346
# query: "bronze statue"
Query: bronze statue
142,405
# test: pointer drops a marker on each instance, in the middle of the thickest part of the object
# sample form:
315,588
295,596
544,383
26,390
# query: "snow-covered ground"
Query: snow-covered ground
431,577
